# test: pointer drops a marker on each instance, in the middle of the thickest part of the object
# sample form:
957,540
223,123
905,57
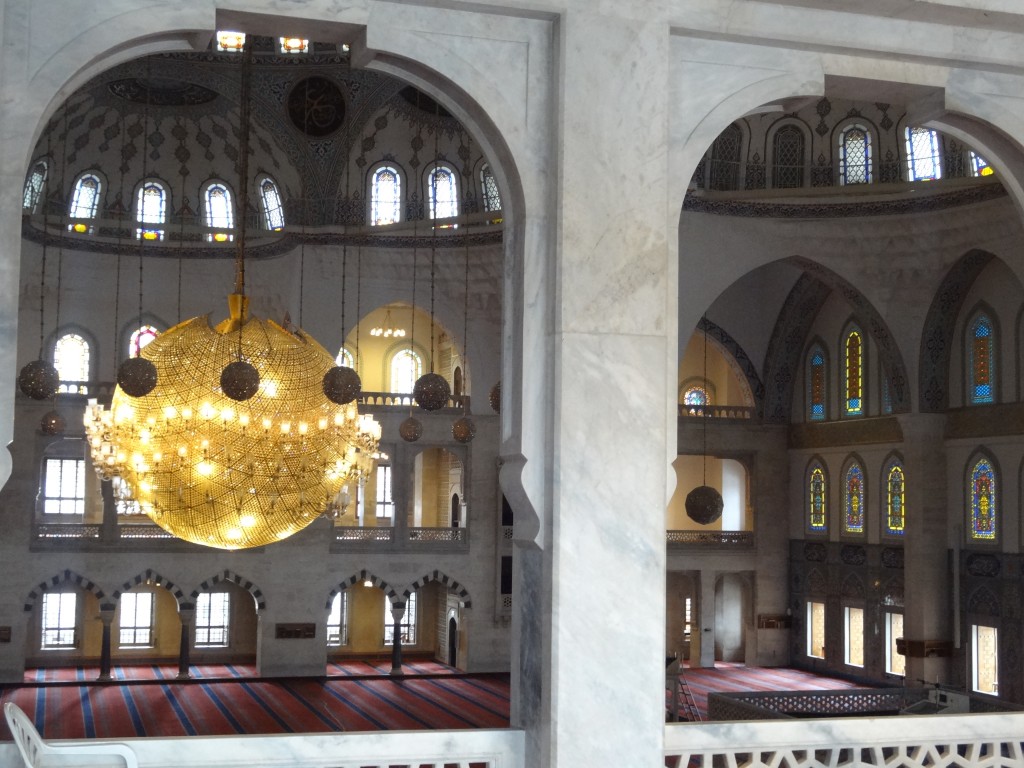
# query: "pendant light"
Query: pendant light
704,504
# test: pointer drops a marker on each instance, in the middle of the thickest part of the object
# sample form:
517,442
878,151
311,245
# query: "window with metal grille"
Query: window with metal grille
407,627
273,211
725,159
151,211
442,193
788,157
213,619
219,212
489,185
135,620
854,636
71,355
33,191
385,196
60,620
855,155
923,162
64,487
337,620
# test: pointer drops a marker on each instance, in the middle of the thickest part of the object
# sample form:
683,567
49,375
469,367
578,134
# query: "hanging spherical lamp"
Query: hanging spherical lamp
214,471
464,430
342,384
495,397
239,380
39,380
431,392
411,430
704,505
136,376
52,423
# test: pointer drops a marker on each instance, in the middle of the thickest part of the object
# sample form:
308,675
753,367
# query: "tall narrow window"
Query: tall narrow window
489,185
345,358
384,499
406,367
853,500
895,499
724,172
85,200
385,196
855,156
983,499
60,620
407,627
816,630
140,337
982,360
442,193
337,620
220,214
985,659
151,211
64,487
816,385
788,157
855,636
979,167
687,617
34,185
135,624
273,212
213,617
817,521
71,359
922,155
895,662
854,370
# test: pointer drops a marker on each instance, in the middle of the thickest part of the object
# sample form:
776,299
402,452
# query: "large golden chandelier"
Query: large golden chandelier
234,471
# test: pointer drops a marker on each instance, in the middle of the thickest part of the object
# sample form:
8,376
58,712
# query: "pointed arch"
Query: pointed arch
360,578
149,576
70,578
855,154
234,578
726,159
445,580
738,360
981,356
790,146
854,354
816,382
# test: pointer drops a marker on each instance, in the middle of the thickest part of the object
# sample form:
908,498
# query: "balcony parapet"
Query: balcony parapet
389,539
740,412
710,539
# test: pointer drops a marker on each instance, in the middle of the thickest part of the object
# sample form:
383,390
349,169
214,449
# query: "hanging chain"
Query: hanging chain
243,168
465,288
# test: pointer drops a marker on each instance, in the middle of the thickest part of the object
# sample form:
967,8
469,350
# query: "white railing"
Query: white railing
937,741
429,749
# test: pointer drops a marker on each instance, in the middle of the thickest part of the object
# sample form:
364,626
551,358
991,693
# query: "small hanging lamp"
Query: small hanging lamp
704,504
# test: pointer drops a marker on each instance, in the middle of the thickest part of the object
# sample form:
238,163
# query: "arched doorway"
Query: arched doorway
453,642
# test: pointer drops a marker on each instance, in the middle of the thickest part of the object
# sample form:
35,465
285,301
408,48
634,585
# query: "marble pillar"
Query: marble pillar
706,618
187,616
397,612
107,618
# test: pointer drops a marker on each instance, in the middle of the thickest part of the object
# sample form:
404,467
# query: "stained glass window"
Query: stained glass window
922,155
34,187
816,385
385,196
854,374
219,212
983,501
816,501
979,167
151,211
71,359
853,500
696,396
442,193
141,337
85,202
855,156
982,360
273,212
895,500
489,184
788,157
725,159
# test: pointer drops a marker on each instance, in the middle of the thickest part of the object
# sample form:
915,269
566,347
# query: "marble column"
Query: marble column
706,618
591,665
107,617
927,583
187,616
397,612
108,528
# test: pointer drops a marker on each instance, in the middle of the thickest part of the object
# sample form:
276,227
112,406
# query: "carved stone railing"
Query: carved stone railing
941,741
65,531
354,534
143,531
717,411
437,534
727,539
404,400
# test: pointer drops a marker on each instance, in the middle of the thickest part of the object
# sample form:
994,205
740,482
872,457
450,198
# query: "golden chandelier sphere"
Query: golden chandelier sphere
228,474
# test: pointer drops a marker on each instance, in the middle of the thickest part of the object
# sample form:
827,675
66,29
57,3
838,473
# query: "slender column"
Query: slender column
107,617
706,618
401,486
187,616
108,528
397,612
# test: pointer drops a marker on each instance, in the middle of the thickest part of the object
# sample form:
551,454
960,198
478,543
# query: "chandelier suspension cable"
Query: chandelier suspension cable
707,398
433,236
143,212
465,285
117,277
412,323
46,238
60,244
305,209
182,209
243,170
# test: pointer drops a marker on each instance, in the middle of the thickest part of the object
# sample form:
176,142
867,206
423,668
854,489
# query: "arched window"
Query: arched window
141,337
345,358
724,172
273,212
337,620
817,502
979,167
895,500
854,373
816,385
406,367
489,185
219,212
85,202
442,193
922,155
696,396
982,512
34,184
71,359
151,211
853,499
855,155
385,196
788,157
981,358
